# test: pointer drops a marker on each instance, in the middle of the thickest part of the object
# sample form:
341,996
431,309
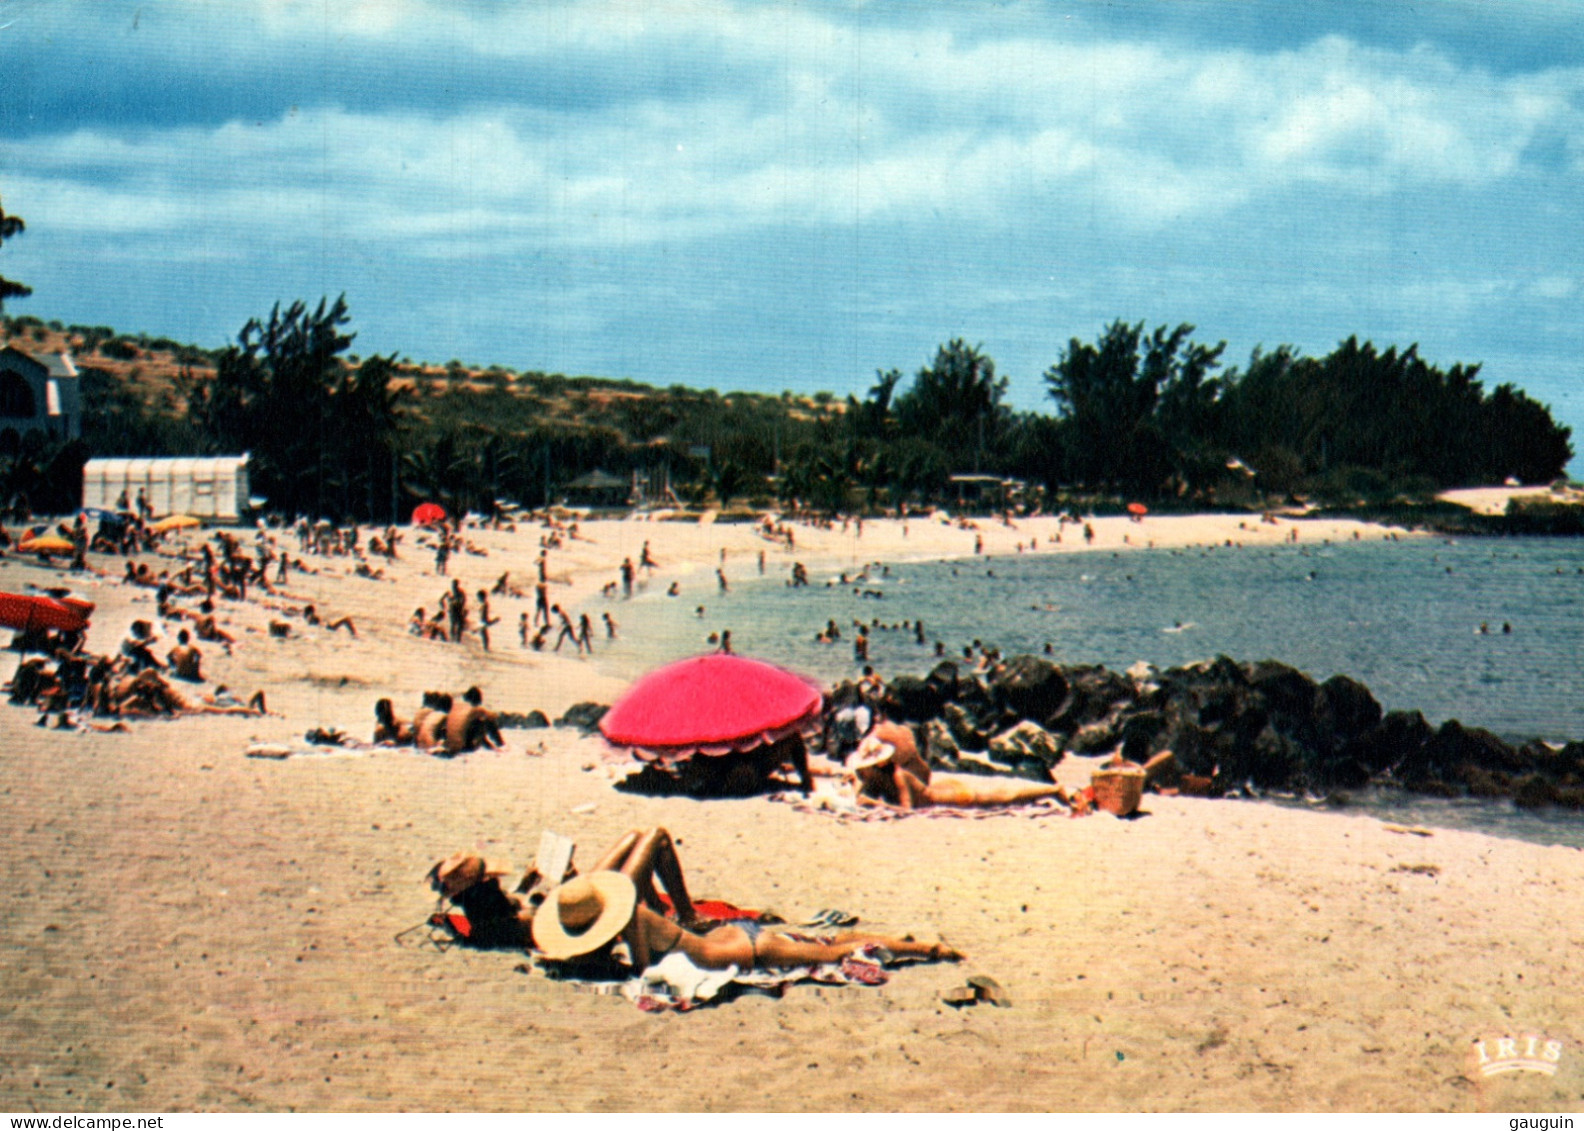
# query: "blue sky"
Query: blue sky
783,195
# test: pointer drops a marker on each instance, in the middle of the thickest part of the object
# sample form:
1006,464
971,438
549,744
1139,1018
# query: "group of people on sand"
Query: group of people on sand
133,683
443,725
449,540
613,916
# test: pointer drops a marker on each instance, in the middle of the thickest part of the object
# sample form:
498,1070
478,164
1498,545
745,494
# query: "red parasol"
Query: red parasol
1138,509
427,514
28,613
79,606
711,704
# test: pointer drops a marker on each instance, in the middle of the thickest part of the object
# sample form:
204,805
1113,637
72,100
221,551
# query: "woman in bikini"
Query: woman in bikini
890,772
579,920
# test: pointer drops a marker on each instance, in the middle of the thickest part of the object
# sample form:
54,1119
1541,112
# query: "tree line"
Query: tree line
1136,413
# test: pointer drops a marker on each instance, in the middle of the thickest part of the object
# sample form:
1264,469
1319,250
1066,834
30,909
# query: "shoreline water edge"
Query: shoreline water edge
194,928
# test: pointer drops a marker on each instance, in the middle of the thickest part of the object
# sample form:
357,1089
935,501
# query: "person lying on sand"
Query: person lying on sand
229,704
147,695
581,919
311,616
889,771
504,588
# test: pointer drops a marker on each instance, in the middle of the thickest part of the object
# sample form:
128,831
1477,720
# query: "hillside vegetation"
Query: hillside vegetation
1138,414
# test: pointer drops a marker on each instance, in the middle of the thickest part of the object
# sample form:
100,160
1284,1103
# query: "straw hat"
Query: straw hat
461,870
871,752
584,914
899,736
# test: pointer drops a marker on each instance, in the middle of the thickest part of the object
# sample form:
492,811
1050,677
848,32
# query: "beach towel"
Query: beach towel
842,804
280,751
675,984
717,910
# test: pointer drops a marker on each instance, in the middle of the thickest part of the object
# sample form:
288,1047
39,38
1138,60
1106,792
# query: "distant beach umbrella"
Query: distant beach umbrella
46,544
175,522
1138,509
712,704
29,613
428,514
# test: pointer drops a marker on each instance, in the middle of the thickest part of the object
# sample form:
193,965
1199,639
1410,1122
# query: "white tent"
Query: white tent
205,487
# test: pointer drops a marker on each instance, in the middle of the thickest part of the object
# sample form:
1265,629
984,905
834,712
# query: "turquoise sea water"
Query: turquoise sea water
1403,617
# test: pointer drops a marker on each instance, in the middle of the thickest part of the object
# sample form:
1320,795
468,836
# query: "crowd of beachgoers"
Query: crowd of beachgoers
210,587
440,639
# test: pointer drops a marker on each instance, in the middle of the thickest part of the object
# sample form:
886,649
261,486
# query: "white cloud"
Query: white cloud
855,124
1555,287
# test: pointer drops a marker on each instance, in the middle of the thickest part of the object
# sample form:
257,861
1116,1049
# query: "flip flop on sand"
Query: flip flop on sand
980,987
830,917
959,996
988,989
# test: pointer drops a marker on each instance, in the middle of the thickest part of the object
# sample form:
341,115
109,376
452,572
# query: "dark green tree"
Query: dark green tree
11,227
1134,419
320,433
1362,422
872,417
955,403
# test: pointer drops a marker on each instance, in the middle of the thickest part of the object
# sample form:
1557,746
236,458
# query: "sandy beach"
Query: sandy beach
191,928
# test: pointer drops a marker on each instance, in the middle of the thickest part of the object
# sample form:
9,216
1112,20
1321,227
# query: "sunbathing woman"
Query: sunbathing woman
888,773
146,694
581,918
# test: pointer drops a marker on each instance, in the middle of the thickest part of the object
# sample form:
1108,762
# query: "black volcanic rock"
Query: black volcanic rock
910,699
1395,740
1029,688
1454,749
1092,692
1349,707
1266,724
585,716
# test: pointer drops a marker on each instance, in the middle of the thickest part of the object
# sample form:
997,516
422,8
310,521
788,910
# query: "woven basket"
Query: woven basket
1118,789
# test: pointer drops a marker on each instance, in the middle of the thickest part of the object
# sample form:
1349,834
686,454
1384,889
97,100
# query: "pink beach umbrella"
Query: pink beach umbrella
712,704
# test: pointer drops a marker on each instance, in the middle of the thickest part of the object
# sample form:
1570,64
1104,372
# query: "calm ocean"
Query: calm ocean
1403,617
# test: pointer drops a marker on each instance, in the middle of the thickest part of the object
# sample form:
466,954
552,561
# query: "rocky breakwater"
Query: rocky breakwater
1247,727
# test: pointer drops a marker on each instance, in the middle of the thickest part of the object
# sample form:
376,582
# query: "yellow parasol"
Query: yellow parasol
47,544
175,522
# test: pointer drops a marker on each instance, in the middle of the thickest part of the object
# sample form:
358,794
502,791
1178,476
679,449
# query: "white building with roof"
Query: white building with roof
39,394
